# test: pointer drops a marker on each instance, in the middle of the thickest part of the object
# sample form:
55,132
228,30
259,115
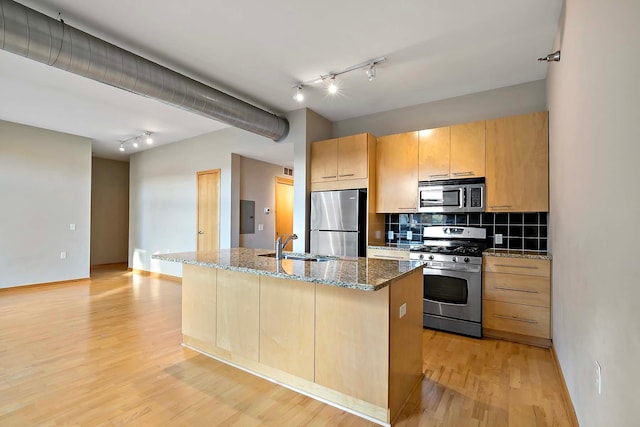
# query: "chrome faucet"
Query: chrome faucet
280,244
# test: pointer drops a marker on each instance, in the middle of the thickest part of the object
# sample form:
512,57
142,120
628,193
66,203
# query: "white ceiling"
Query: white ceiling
257,50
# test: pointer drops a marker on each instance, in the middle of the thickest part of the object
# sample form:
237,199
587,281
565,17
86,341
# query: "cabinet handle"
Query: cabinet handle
439,175
388,257
517,319
529,291
346,174
527,267
468,173
325,177
500,207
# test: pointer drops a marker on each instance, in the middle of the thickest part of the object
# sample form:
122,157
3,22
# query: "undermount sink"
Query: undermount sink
296,257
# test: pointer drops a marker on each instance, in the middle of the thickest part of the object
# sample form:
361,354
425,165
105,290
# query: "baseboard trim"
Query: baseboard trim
155,275
565,395
37,285
519,338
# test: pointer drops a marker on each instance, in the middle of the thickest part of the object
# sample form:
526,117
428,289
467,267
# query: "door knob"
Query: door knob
200,232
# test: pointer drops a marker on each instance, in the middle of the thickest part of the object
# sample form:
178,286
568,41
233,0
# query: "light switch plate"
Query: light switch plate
409,235
72,227
63,255
498,239
390,235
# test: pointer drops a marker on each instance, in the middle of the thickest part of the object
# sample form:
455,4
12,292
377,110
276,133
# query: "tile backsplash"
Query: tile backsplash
519,230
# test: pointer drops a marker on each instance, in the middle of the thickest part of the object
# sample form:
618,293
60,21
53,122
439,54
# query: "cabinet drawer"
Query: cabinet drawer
517,289
388,254
530,267
516,318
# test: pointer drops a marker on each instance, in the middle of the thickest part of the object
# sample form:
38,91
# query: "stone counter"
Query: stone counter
364,274
517,253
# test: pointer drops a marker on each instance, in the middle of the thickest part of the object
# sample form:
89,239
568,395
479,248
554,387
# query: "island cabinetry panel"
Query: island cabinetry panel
397,173
238,313
287,316
517,299
199,303
518,163
352,342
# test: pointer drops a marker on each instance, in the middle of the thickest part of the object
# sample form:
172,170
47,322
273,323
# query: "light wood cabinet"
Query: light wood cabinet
397,173
516,299
338,159
198,296
468,150
384,253
517,165
452,152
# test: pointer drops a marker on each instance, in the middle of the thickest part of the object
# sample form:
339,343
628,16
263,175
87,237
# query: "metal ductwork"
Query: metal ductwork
31,34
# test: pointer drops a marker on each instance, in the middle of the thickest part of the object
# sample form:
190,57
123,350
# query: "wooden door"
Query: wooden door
468,150
434,154
208,210
397,173
284,209
352,157
518,163
324,160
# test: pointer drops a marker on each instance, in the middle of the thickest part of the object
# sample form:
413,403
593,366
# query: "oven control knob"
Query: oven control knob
431,257
466,259
421,256
454,259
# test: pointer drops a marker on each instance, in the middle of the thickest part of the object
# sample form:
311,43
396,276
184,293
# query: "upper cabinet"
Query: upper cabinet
337,159
397,173
452,152
517,163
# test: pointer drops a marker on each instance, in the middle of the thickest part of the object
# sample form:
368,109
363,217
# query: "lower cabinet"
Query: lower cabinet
516,300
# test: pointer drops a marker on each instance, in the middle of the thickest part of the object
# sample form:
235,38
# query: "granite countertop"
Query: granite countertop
517,253
365,274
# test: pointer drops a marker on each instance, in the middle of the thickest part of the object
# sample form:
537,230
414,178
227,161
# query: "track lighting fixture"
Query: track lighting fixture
135,140
552,57
298,95
332,87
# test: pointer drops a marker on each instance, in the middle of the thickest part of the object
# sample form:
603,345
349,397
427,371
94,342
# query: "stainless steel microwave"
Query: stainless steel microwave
451,196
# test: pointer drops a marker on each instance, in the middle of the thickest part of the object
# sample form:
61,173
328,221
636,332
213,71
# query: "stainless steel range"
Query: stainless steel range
451,257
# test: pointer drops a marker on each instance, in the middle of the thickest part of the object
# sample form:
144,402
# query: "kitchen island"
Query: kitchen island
346,331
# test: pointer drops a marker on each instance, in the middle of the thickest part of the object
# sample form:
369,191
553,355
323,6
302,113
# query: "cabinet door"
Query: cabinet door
434,154
518,163
468,150
324,160
352,157
397,173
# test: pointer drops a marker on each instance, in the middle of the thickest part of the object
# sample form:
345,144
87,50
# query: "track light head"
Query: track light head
552,57
122,146
299,96
149,139
135,143
371,72
333,87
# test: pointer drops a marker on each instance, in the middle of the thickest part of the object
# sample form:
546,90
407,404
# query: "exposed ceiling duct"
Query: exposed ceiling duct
31,34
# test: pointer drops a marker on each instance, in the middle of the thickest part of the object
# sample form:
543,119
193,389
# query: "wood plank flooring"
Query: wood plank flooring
106,352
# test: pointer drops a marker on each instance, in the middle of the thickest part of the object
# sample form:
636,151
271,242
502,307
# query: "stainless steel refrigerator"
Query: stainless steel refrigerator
338,222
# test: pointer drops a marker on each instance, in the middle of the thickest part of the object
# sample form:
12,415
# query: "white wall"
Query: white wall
109,211
45,185
163,190
258,183
594,144
508,101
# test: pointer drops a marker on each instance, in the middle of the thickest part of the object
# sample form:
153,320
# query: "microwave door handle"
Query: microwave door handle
462,197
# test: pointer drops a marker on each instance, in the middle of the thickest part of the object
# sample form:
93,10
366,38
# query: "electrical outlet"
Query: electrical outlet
403,310
390,235
72,227
409,235
598,378
498,239
260,227
63,255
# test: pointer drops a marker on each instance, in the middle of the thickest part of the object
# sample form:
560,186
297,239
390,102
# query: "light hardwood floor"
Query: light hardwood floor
106,351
